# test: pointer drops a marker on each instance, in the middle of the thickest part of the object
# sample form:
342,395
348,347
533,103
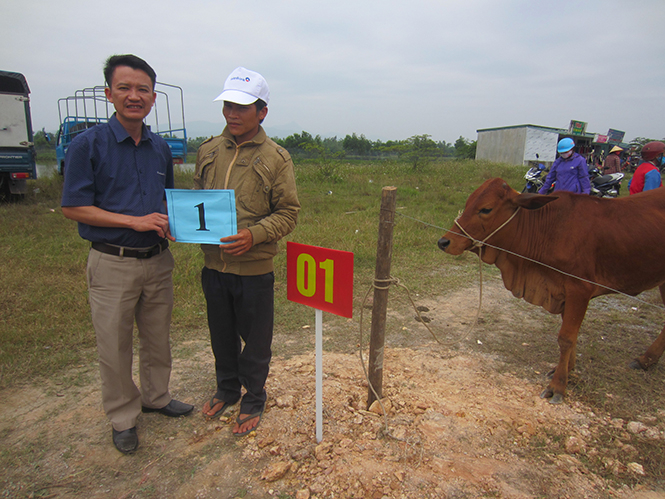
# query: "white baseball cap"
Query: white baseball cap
245,87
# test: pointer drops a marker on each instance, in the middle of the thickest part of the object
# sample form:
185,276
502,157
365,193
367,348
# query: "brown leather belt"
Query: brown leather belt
131,252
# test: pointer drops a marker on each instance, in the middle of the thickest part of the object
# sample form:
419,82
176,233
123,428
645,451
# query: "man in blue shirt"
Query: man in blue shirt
115,176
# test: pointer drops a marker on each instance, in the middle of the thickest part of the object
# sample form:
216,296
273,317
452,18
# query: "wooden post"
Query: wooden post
384,250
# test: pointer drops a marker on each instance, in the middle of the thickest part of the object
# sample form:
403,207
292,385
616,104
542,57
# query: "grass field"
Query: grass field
46,321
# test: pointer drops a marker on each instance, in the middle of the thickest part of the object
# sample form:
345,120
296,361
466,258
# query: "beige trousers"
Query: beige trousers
121,290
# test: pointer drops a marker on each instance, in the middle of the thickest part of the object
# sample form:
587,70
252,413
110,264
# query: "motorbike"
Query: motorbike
535,177
605,186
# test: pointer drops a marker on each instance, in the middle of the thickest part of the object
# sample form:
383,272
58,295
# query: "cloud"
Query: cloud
386,69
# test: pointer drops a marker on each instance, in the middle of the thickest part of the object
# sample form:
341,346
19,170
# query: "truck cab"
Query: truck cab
69,129
89,107
17,148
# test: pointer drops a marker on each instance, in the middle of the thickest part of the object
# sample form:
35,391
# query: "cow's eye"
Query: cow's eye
485,211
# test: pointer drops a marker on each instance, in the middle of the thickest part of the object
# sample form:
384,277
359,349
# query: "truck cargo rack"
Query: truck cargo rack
89,107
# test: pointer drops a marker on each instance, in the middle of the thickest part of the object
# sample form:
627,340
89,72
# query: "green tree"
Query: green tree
638,142
391,147
419,150
465,149
302,144
43,140
334,146
298,141
360,146
193,144
446,148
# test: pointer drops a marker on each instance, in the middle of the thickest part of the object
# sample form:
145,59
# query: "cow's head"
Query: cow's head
487,209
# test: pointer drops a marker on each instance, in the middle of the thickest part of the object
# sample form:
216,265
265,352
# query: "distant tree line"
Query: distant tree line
415,150
638,142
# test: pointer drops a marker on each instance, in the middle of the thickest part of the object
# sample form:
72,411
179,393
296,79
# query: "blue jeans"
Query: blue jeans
240,309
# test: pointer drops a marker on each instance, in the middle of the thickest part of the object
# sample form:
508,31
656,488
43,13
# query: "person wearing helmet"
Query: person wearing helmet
569,171
647,175
612,163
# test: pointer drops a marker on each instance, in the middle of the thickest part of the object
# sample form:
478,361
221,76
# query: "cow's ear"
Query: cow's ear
533,201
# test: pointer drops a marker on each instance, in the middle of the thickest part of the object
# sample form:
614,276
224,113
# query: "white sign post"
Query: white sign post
319,375
323,279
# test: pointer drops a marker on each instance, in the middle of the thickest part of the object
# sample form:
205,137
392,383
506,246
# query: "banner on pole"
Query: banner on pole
321,278
615,136
201,216
577,127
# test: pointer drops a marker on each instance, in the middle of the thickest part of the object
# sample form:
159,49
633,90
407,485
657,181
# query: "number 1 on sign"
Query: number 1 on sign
307,267
328,267
202,217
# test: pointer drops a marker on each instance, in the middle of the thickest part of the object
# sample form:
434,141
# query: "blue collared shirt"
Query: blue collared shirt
105,168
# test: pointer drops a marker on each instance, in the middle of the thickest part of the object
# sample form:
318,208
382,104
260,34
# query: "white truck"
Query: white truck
17,148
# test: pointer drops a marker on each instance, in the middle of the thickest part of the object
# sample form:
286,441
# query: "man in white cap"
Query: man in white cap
238,275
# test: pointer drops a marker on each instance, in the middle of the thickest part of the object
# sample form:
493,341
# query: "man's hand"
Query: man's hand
237,244
155,221
92,215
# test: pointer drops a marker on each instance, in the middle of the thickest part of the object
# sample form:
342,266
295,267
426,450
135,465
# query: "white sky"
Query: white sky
386,69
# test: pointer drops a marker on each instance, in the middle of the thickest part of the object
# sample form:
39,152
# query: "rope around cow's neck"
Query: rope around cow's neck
479,244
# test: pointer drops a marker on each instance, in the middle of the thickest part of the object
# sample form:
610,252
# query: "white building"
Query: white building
519,144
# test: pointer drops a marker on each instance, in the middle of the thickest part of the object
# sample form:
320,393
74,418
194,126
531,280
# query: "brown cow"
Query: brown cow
609,245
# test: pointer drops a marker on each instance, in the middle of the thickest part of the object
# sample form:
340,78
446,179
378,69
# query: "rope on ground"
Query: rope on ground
383,284
362,360
386,429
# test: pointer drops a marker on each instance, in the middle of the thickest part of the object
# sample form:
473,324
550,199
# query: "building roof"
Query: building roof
560,131
548,128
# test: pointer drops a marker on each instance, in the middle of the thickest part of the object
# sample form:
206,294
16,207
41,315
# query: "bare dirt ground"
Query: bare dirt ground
459,425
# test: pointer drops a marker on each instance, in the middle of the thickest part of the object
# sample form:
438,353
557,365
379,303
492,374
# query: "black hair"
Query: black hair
260,104
131,61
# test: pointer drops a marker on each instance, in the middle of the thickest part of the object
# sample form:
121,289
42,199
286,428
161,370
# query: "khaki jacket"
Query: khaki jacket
261,173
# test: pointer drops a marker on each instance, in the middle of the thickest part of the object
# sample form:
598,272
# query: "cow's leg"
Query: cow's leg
571,363
573,315
655,351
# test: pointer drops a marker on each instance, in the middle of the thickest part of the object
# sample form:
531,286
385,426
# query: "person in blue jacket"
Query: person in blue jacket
569,171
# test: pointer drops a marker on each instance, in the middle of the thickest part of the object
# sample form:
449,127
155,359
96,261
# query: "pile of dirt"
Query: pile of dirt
455,429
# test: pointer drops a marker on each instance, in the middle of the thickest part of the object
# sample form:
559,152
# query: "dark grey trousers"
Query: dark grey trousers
240,310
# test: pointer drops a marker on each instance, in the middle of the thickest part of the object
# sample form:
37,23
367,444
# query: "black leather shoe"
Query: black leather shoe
173,409
126,441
